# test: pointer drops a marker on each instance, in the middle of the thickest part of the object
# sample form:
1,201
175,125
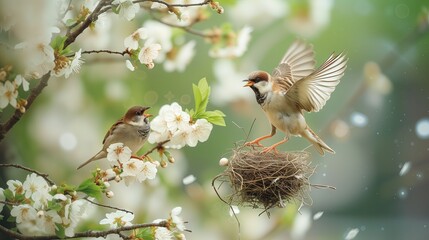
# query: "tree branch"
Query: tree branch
187,29
168,5
88,234
71,37
123,53
35,92
158,146
43,175
106,206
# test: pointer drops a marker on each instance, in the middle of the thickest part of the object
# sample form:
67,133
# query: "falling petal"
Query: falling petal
317,216
422,128
359,119
352,234
189,179
405,169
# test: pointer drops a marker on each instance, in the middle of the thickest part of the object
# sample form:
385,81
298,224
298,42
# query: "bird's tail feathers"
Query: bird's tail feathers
318,143
97,156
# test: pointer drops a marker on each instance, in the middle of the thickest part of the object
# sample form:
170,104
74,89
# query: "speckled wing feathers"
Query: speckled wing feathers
312,92
297,63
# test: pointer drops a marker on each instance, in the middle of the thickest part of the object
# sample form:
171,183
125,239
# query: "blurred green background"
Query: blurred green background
376,121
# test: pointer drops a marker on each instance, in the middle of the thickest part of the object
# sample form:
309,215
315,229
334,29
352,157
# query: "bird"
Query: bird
132,130
293,87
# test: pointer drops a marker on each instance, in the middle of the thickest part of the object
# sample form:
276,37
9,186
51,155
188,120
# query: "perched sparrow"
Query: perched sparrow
132,130
295,86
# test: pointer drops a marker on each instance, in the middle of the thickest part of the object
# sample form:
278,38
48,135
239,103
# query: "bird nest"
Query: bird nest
265,180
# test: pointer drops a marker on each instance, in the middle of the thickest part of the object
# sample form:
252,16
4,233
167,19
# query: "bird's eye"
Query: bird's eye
139,113
257,79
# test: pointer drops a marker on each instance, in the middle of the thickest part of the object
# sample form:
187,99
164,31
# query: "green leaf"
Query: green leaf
197,97
52,205
215,117
58,43
227,2
144,233
70,22
90,188
8,194
204,90
60,231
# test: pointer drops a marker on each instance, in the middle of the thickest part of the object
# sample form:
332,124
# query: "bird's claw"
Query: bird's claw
253,143
269,149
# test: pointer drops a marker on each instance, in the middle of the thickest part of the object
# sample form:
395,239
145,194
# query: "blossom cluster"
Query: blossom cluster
130,169
9,90
176,125
175,226
40,209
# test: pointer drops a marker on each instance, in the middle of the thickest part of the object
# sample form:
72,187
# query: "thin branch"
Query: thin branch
158,146
5,127
43,175
187,29
93,234
123,53
106,206
170,5
9,203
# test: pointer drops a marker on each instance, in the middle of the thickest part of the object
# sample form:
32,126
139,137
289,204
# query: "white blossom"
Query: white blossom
131,169
34,186
46,221
15,186
162,233
19,79
202,129
75,64
118,219
148,53
132,42
176,118
74,212
176,219
23,213
38,58
118,152
234,50
127,8
181,58
149,171
8,95
256,12
313,17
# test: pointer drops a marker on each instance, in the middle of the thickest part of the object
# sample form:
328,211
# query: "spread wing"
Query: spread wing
112,128
312,92
297,63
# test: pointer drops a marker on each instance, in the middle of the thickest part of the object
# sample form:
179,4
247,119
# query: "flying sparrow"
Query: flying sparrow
132,130
295,85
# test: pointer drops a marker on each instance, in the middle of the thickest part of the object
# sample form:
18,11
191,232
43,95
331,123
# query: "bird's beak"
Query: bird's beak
147,115
249,83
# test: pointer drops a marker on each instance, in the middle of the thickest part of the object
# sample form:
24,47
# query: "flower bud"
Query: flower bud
117,178
106,184
109,194
171,159
223,162
164,164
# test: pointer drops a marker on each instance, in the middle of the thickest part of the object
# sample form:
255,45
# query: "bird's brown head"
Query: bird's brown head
258,81
137,114
257,77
